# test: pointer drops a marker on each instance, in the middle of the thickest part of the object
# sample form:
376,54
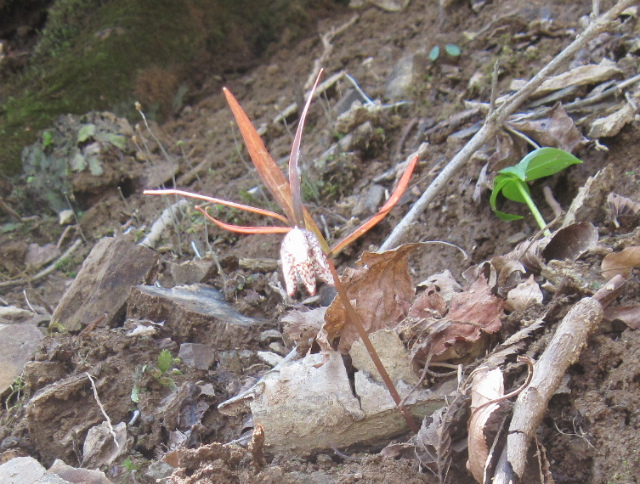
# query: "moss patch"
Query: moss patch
105,55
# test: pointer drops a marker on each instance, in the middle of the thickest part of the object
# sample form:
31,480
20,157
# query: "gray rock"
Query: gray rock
368,205
158,470
195,312
104,282
404,75
78,476
196,355
18,344
21,470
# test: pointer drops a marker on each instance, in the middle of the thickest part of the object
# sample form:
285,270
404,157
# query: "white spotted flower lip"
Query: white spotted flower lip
303,258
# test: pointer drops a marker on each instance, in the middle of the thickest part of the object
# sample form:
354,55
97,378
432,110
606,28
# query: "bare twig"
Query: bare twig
46,271
494,121
327,46
563,350
159,226
106,416
9,211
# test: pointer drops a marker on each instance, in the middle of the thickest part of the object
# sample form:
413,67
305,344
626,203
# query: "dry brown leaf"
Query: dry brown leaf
430,303
556,129
571,242
524,294
380,291
508,151
487,385
621,262
301,327
472,313
444,283
622,208
629,315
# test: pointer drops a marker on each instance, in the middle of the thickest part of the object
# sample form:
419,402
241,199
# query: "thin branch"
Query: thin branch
494,122
45,272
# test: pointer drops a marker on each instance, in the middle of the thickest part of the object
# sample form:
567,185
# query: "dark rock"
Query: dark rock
194,313
196,355
104,282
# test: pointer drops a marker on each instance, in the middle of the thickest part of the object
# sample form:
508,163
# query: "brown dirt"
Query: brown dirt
591,432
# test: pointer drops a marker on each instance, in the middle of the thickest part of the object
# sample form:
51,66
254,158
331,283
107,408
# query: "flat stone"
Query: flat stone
18,344
21,470
196,355
73,474
104,283
194,313
158,470
404,75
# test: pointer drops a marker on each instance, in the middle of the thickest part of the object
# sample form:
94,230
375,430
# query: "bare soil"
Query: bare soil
591,432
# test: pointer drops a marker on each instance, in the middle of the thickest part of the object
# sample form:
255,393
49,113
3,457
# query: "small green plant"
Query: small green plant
17,390
162,372
512,181
452,50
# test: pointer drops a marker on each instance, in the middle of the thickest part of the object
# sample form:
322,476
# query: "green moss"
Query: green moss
96,55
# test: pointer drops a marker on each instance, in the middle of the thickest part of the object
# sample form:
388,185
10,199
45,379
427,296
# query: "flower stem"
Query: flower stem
354,319
534,210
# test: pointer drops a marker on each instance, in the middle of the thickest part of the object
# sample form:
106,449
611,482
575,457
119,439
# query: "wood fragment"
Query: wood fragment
563,350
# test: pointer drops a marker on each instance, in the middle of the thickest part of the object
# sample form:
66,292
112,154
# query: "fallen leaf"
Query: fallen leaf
523,295
487,385
444,283
380,291
621,262
555,129
472,313
580,76
301,327
571,242
623,208
629,315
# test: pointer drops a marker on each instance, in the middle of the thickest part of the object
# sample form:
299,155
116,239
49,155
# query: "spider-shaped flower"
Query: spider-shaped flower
304,251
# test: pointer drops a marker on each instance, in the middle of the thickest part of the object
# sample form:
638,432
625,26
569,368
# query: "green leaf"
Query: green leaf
434,54
135,394
507,185
452,49
164,361
541,163
87,131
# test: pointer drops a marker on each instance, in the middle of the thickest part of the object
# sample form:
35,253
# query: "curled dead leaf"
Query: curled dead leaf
380,290
487,385
571,242
629,315
472,313
621,262
623,208
524,294
555,128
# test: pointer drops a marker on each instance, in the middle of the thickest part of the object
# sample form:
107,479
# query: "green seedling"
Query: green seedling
452,50
162,371
512,181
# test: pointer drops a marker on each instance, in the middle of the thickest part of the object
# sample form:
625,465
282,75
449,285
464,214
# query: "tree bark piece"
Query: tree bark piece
564,350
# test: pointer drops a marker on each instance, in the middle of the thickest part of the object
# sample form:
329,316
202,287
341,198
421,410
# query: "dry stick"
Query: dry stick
494,121
45,272
563,350
354,319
